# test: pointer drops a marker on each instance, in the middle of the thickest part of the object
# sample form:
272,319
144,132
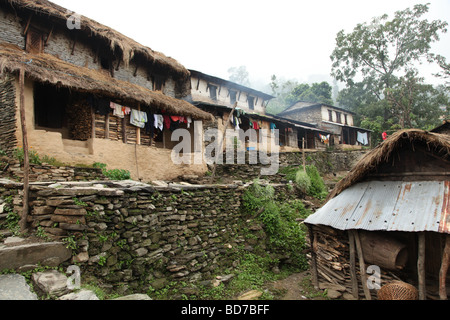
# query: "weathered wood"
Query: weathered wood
315,277
421,266
444,269
26,159
362,265
355,289
383,251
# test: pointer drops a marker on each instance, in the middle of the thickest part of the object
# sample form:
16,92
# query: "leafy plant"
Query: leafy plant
114,174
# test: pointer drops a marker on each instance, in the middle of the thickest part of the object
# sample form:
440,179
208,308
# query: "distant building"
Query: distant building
336,120
218,97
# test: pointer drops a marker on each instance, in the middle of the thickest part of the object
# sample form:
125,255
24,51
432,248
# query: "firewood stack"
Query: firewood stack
80,120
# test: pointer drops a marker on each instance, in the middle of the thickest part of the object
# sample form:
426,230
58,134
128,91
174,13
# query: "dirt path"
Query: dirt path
295,287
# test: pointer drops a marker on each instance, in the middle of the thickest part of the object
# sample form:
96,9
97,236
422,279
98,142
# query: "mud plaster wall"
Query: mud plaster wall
143,162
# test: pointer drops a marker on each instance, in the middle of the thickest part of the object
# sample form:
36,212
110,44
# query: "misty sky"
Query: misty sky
292,39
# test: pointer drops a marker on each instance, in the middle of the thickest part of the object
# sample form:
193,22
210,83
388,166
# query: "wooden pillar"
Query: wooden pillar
138,130
421,266
107,126
362,265
26,159
314,273
444,268
355,289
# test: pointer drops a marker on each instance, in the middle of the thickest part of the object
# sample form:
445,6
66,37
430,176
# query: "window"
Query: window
330,115
345,119
338,117
212,92
251,103
34,41
158,83
233,96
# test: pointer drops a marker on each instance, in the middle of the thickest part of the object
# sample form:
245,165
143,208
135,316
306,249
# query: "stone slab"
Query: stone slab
15,287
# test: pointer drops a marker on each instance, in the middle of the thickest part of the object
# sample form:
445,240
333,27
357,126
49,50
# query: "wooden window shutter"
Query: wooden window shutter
35,41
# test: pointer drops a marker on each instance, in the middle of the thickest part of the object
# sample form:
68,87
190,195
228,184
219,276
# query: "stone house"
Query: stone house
90,94
219,96
336,120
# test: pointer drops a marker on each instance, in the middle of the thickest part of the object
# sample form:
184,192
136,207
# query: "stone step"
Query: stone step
22,255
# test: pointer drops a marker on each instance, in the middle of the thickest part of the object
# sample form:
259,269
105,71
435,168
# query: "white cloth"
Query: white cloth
138,118
362,138
158,121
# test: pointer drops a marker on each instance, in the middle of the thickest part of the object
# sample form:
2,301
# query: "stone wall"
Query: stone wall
48,173
8,140
326,162
133,236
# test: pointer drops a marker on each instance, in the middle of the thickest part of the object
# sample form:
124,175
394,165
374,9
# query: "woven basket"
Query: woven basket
398,290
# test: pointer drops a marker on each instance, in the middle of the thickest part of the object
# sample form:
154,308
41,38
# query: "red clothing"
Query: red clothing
384,135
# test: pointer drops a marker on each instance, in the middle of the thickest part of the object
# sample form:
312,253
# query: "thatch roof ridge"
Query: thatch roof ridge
382,152
128,46
47,68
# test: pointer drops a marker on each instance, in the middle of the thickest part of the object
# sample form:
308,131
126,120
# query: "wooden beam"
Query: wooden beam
138,130
27,25
26,159
421,266
354,278
444,269
314,271
362,265
107,126
49,36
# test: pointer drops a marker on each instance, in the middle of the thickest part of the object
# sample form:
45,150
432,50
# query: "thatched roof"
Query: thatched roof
118,42
438,142
47,68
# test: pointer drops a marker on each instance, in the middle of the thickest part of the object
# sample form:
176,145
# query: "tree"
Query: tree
239,75
380,58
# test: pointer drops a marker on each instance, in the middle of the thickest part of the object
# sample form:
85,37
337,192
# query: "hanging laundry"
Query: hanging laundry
117,110
384,135
167,122
362,138
158,121
189,121
175,118
138,118
273,126
324,139
150,124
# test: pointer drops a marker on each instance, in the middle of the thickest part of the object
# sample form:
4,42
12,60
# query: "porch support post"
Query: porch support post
421,266
444,269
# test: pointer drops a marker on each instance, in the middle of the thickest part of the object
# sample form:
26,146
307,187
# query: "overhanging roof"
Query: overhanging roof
389,206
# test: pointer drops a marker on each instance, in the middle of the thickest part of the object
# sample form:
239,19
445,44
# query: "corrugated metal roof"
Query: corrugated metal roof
390,206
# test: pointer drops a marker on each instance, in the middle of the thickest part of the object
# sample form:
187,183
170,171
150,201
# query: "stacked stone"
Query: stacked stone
8,141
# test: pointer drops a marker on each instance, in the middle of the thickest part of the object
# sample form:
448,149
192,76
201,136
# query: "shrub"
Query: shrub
303,181
114,174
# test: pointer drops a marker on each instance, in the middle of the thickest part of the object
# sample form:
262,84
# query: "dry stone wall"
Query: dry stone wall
133,235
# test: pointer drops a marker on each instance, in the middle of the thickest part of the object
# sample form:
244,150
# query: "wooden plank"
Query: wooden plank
421,266
354,278
444,269
314,271
362,265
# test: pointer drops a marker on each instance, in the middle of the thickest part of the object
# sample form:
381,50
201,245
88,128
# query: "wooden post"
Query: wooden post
444,269
93,123
315,277
26,159
362,265
355,289
138,130
421,266
303,154
107,126
219,151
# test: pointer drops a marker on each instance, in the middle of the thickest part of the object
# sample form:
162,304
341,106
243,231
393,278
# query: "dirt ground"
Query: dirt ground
295,287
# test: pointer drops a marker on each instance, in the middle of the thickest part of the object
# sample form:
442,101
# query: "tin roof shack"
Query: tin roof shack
392,211
84,85
330,118
219,96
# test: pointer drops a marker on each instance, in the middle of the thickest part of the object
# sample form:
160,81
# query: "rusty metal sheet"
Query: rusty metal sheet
389,206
